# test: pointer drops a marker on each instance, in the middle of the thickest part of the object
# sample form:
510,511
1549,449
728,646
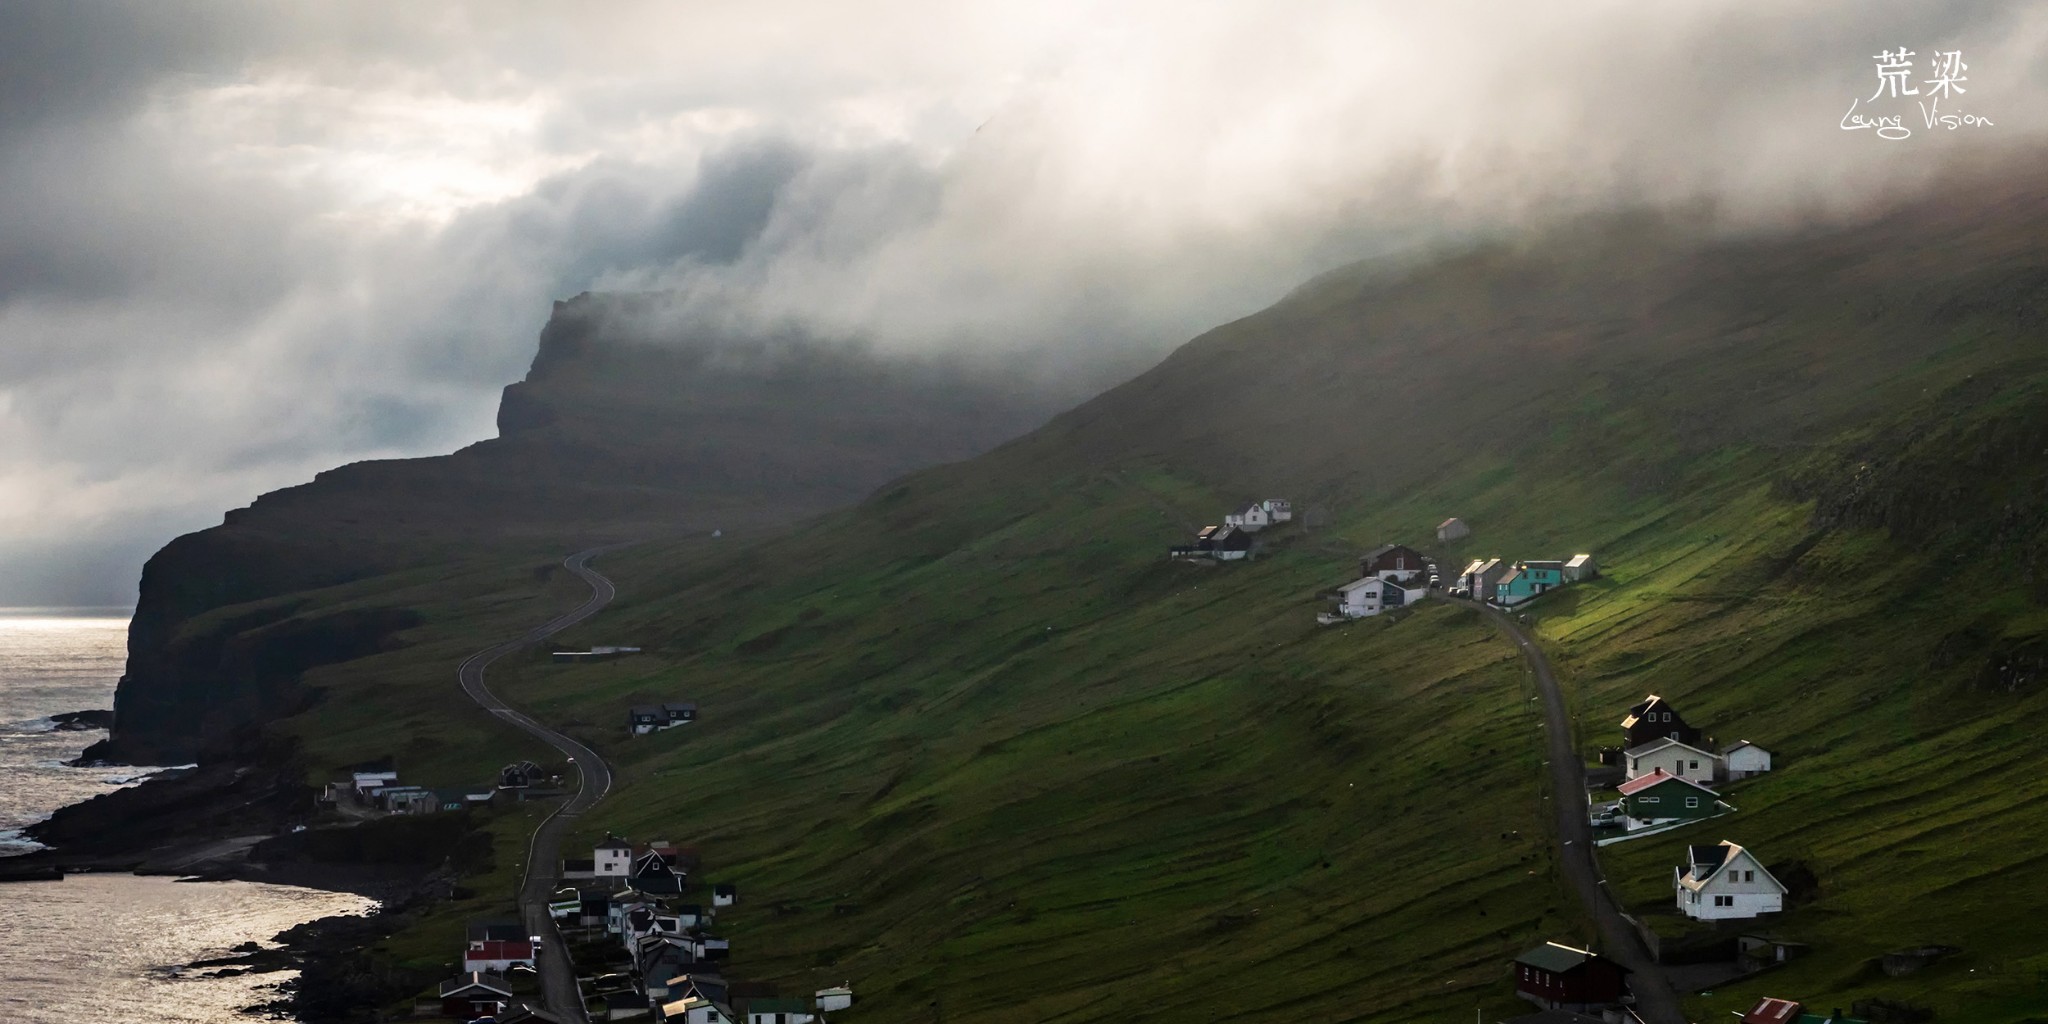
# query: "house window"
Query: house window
1724,901
1648,799
1692,801
1694,765
1749,876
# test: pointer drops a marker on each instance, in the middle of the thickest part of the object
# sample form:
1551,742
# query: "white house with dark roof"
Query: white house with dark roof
612,858
1723,882
1743,760
1672,757
1372,595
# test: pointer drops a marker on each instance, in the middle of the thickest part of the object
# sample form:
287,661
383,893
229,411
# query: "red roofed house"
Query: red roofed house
1772,1011
496,947
1661,798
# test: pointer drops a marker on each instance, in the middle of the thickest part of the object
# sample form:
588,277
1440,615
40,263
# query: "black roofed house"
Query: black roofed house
679,712
1223,543
653,874
613,858
474,994
625,1005
520,775
1656,719
724,894
1393,562
645,718
1555,976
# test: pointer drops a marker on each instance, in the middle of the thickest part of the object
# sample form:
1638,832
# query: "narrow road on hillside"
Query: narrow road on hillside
593,781
1656,1001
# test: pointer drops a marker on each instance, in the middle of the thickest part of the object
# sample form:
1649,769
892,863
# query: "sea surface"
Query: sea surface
111,948
108,947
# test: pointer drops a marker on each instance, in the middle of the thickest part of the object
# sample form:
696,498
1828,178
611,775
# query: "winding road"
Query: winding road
593,781
1656,1001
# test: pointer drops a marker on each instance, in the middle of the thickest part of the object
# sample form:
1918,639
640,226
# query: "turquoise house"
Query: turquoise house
1526,580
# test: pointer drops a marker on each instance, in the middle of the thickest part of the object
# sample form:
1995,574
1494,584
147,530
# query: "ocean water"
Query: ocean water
110,948
53,661
107,947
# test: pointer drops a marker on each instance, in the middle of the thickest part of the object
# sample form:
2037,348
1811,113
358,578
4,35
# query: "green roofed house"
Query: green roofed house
1661,798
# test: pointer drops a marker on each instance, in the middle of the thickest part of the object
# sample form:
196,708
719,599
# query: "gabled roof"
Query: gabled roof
614,843
1738,745
725,889
1557,958
779,1005
1508,578
1578,560
477,981
647,711
1771,1010
680,705
1652,703
1646,749
1358,584
1704,862
1658,778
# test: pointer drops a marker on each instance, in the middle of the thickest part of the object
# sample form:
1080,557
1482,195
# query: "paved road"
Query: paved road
593,781
1656,1001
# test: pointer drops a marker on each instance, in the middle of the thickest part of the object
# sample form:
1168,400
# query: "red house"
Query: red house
1559,977
473,995
1392,561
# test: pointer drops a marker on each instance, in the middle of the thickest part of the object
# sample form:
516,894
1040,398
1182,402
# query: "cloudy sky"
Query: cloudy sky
241,242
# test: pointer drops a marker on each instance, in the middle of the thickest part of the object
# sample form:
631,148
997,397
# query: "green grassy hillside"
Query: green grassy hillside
999,761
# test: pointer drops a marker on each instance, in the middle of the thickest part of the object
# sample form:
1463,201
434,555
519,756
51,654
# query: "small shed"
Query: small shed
1744,759
836,998
1452,529
1580,567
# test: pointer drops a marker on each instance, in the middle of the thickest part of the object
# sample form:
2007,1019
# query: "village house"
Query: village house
837,998
1660,798
495,947
1480,575
1221,543
656,875
1373,595
474,994
368,783
1452,529
1555,976
612,858
1261,514
1672,758
1725,881
779,1011
1392,562
724,894
406,799
1579,568
1654,719
1526,581
693,1010
1771,1010
520,775
1743,760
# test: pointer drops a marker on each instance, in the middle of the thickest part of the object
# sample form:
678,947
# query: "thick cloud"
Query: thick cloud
241,242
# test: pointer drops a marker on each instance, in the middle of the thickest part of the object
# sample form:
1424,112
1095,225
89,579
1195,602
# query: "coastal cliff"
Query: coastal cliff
624,428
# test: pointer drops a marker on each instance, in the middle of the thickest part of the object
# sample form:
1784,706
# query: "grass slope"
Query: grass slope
1001,762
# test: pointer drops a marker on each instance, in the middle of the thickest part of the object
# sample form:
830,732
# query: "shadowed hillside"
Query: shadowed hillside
622,430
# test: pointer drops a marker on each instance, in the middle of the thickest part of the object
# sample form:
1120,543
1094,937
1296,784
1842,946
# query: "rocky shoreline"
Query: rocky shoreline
225,822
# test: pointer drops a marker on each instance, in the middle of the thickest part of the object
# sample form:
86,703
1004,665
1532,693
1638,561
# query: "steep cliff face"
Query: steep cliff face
621,430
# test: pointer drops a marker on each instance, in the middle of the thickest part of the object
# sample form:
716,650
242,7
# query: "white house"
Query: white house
839,998
1253,519
1725,881
779,1011
1373,595
1580,567
1673,758
1743,760
724,894
1452,529
694,1010
612,858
